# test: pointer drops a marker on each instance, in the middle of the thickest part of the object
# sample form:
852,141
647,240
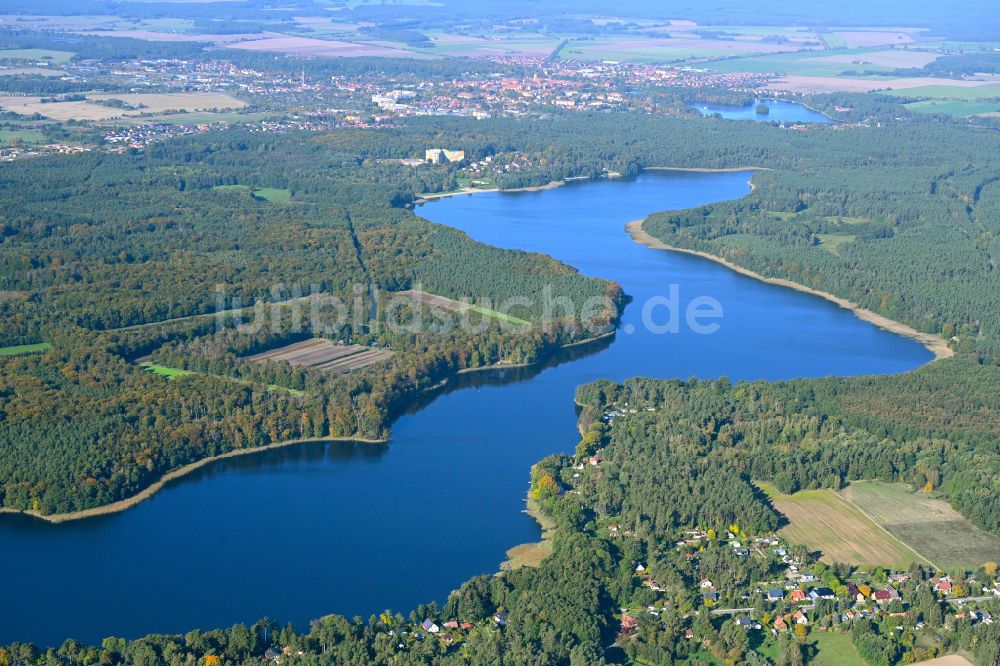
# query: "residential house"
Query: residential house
882,596
981,616
821,593
500,617
747,623
779,624
796,596
775,594
706,583
800,618
712,596
430,627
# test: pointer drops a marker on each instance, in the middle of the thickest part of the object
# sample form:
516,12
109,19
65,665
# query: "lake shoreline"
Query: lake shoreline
150,490
934,344
553,184
532,553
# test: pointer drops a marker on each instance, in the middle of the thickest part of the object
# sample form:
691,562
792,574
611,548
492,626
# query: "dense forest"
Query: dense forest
111,257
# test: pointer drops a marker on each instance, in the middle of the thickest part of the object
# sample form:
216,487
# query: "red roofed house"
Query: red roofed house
882,596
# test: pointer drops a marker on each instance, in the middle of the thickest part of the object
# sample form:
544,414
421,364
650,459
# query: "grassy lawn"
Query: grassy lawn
18,350
832,242
24,136
500,315
38,55
169,373
834,649
273,194
822,521
174,373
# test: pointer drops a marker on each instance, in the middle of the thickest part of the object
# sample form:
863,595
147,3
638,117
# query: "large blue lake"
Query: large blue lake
778,112
354,529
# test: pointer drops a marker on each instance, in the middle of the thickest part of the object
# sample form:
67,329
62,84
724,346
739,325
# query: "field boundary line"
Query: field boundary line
879,525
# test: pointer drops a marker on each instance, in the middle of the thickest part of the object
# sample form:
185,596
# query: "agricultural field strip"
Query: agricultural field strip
820,520
433,299
458,306
324,355
931,523
881,527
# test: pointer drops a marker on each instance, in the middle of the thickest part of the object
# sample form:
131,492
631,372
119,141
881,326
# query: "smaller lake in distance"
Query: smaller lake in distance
778,111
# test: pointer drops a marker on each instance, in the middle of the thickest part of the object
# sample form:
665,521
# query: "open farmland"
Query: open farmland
859,38
149,103
305,46
960,108
655,49
929,525
324,355
823,521
946,89
886,58
49,72
904,87
521,44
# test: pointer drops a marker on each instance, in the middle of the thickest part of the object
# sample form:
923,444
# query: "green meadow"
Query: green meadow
22,136
960,108
499,315
58,57
272,194
174,373
962,93
18,350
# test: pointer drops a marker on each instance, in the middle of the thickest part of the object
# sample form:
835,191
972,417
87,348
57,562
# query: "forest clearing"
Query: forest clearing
823,521
324,355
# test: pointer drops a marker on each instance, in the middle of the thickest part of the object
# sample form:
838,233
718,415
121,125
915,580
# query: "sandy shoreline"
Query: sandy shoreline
149,491
934,344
